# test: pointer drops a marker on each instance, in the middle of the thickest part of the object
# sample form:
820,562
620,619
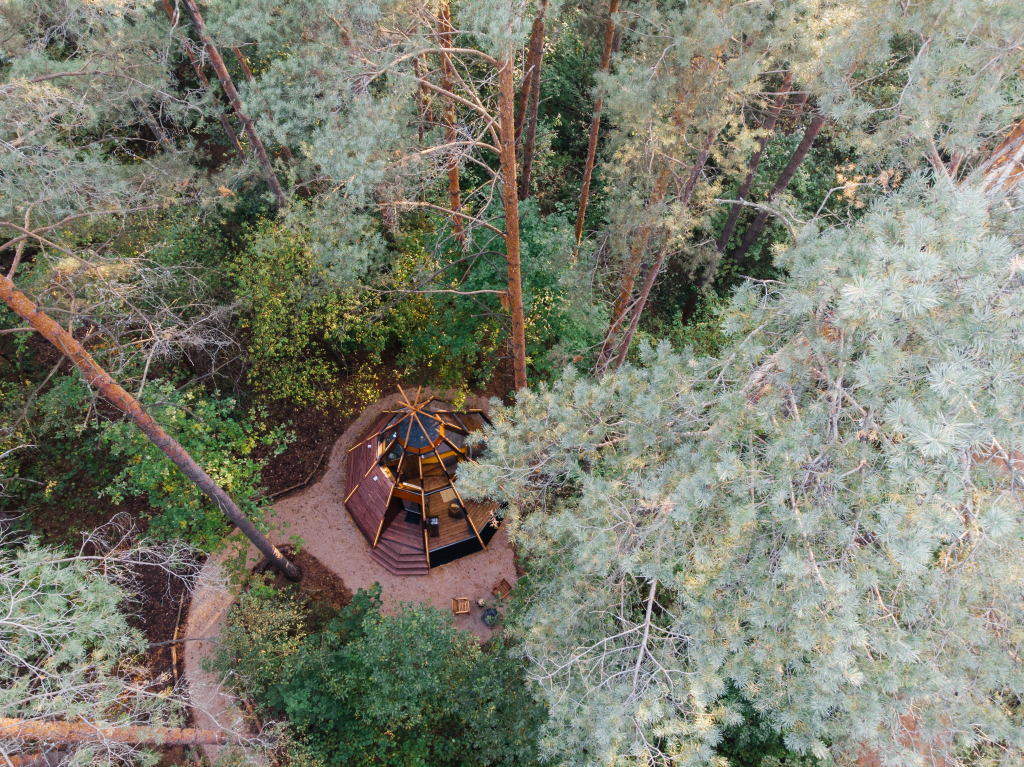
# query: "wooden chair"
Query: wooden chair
460,606
502,589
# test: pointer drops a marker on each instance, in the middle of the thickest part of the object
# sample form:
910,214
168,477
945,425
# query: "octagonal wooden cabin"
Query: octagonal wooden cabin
401,490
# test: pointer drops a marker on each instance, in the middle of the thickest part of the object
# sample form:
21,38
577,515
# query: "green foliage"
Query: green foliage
455,340
754,742
64,464
295,319
703,335
402,689
818,517
218,438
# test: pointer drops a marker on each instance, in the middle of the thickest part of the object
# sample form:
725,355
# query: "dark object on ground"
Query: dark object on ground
490,616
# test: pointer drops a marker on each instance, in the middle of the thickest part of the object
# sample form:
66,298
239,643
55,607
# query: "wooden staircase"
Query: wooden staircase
400,549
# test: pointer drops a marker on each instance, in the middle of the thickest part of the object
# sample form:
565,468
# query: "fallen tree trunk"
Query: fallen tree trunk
97,377
82,732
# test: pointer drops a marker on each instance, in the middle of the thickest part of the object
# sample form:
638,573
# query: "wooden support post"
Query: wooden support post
462,503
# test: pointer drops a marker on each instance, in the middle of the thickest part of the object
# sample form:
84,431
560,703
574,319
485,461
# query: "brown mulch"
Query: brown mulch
315,431
163,600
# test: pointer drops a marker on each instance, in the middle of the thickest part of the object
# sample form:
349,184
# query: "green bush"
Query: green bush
295,319
404,689
218,437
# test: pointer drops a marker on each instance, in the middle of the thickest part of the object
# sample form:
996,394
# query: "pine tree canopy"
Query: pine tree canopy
827,517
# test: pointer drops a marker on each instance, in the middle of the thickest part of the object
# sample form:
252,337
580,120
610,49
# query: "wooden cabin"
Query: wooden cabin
401,489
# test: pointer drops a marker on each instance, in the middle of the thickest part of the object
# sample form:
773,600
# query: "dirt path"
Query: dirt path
317,515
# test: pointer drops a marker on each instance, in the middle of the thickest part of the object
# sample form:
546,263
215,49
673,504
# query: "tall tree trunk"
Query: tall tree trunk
450,134
95,376
251,78
652,274
198,68
524,91
530,142
236,103
507,128
629,273
780,185
595,124
84,732
692,301
741,193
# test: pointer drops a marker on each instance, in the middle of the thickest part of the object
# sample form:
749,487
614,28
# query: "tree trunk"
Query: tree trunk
652,275
95,376
84,732
507,128
251,78
530,143
198,68
154,126
1004,168
236,103
755,160
450,133
780,185
595,125
524,90
629,273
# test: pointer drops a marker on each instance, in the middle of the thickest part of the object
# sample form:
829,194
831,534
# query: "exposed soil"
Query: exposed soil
315,431
319,585
164,598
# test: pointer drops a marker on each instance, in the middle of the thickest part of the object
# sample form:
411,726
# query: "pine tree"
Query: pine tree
826,518
70,670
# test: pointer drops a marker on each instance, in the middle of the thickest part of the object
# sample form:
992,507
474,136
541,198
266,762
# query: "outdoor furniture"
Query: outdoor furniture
434,526
460,606
502,589
455,510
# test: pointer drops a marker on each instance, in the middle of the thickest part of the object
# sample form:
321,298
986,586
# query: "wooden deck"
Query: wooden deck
401,547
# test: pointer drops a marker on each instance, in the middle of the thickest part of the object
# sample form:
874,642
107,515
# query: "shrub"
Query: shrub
404,689
295,319
220,440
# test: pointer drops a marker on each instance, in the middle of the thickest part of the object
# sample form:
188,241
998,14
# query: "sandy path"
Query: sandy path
317,515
